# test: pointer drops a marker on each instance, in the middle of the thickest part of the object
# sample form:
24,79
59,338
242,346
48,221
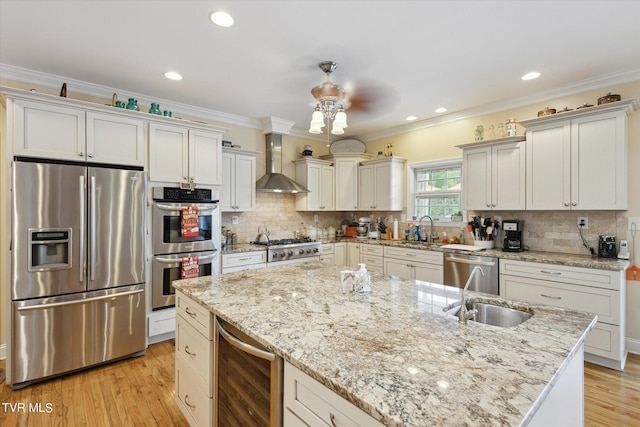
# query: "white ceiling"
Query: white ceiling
414,56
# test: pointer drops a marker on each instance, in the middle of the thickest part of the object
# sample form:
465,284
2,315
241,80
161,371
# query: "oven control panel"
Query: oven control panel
176,194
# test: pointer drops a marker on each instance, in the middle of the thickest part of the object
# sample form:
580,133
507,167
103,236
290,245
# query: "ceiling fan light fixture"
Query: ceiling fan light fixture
341,119
330,106
221,19
337,130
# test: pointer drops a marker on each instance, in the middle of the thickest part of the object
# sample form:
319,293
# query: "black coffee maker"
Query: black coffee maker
607,247
513,235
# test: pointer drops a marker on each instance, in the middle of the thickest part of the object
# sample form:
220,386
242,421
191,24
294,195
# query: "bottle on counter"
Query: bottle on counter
461,239
363,280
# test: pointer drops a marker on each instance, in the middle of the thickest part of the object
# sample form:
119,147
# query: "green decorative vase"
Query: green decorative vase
133,105
155,109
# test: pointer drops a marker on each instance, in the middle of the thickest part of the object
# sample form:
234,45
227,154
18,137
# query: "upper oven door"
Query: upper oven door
167,228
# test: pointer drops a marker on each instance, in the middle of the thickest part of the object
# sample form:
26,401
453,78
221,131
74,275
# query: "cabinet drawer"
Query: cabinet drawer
602,302
314,404
195,314
327,259
193,349
192,400
560,273
372,262
371,249
605,340
243,258
226,270
415,255
327,248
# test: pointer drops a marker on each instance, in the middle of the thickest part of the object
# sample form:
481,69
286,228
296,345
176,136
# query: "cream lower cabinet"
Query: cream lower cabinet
64,130
381,184
414,264
319,177
353,254
309,403
601,292
241,261
194,361
340,253
567,153
493,175
180,154
238,191
372,256
327,256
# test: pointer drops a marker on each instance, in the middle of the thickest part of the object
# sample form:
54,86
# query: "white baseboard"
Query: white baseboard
633,345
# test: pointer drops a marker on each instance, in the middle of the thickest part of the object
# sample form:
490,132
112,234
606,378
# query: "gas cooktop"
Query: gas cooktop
286,242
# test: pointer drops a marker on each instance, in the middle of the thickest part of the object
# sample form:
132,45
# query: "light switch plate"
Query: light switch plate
633,220
234,220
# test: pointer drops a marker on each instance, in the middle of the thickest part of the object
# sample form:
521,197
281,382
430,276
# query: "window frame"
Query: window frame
411,193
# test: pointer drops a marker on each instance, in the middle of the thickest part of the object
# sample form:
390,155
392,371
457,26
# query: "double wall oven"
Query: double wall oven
174,247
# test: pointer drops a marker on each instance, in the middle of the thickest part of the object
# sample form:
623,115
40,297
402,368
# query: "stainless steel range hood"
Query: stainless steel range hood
274,181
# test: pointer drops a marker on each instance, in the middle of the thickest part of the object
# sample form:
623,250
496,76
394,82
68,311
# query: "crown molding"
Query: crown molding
574,88
52,81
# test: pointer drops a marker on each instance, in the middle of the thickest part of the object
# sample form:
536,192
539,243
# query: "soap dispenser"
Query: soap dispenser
363,280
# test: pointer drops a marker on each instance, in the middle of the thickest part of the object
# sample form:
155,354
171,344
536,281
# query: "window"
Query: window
434,189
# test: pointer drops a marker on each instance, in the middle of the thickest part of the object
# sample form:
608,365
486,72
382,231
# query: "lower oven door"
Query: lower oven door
247,381
167,268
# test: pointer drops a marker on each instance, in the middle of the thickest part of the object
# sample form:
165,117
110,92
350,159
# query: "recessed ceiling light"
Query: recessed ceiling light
410,118
222,19
531,75
172,75
440,110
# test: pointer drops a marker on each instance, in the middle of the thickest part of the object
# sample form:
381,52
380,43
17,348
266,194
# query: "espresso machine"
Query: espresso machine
513,235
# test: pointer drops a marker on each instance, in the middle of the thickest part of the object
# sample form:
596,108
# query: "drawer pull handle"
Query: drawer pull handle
186,350
186,402
408,254
333,419
190,313
557,273
550,296
244,259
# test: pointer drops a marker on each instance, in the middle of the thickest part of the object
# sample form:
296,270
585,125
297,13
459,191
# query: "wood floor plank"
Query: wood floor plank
141,392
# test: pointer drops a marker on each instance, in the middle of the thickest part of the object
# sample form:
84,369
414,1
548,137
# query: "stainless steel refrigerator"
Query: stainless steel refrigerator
78,268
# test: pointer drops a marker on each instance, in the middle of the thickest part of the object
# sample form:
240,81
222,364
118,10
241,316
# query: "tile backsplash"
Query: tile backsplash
549,231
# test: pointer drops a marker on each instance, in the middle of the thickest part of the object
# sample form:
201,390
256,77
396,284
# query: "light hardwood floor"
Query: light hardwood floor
140,392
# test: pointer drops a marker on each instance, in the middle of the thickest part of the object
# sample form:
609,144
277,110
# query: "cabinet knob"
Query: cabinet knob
493,206
566,204
89,154
488,205
185,178
191,179
574,204
81,154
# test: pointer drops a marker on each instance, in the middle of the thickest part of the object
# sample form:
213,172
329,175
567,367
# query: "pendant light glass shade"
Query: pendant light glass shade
317,119
340,120
337,130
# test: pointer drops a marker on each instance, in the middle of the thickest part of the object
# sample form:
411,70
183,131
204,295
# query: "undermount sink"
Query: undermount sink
491,314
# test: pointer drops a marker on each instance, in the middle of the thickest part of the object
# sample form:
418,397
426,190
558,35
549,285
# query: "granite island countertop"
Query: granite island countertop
394,353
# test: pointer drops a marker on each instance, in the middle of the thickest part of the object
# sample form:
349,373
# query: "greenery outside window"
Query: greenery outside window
435,189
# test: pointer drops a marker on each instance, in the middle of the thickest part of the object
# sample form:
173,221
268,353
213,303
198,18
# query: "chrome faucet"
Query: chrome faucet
431,235
463,313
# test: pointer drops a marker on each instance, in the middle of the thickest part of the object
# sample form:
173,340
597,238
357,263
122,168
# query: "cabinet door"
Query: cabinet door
366,197
346,187
168,153
314,182
340,253
115,139
353,255
476,179
245,183
508,176
227,190
428,273
397,267
327,194
48,131
598,164
205,152
382,191
548,167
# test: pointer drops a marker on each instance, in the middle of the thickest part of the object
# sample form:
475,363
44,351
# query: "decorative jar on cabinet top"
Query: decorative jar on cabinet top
133,105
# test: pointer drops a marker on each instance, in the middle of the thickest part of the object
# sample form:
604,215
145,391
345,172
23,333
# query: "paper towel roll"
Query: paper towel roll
395,228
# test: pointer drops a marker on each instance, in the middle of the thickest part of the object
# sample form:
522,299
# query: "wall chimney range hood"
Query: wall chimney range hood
274,181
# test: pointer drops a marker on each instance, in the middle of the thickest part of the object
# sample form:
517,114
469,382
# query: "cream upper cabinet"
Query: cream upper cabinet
319,177
238,191
184,155
577,160
65,131
346,187
381,184
493,174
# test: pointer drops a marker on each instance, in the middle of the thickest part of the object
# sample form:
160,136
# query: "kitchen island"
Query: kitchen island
396,355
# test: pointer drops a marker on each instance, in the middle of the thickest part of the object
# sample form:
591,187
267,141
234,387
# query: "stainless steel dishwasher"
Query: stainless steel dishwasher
458,267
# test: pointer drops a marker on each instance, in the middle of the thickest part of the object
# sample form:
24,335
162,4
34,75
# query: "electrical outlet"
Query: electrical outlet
315,218
633,220
234,220
584,222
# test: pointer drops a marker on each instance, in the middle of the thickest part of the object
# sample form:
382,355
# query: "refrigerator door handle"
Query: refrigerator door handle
81,265
78,301
92,239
